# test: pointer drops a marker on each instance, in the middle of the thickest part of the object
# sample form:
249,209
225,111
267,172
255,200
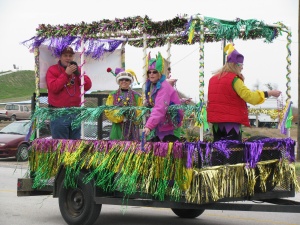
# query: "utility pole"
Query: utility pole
298,124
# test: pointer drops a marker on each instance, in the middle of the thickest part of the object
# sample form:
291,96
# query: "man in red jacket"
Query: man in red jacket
64,90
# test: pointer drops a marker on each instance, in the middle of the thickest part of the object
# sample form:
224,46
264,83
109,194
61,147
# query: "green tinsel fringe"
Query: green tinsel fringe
92,114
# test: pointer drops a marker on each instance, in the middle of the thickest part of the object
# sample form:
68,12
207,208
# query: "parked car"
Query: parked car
15,112
13,141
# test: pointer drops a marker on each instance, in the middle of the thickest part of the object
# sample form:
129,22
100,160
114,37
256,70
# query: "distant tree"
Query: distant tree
271,86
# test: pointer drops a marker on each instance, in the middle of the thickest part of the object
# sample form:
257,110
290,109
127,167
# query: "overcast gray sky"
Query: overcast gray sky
264,63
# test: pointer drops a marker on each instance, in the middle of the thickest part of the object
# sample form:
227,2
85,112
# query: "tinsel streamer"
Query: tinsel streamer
201,61
136,27
103,173
273,113
285,175
223,146
231,30
289,149
191,31
42,114
183,159
252,152
251,180
71,160
187,26
286,29
283,128
228,181
163,169
143,141
127,179
198,115
147,169
201,153
233,181
46,162
96,47
265,171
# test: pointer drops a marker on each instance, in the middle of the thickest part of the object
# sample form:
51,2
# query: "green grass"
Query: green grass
17,86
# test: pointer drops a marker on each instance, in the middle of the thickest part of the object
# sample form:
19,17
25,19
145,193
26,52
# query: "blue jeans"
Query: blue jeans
61,128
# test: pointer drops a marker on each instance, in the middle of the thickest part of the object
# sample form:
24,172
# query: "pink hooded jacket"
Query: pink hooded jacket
159,118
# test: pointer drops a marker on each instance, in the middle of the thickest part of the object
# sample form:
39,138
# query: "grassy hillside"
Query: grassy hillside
20,86
17,86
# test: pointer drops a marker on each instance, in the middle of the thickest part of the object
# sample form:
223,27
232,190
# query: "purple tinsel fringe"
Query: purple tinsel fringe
253,149
94,48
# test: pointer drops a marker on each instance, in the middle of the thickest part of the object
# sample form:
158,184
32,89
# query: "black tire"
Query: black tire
13,118
188,213
22,153
77,205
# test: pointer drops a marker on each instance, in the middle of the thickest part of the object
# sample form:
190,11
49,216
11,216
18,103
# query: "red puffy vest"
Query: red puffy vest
224,104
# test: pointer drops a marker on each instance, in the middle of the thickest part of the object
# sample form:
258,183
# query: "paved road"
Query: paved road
44,210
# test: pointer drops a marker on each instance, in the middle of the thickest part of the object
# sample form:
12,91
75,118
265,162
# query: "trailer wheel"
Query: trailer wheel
188,213
77,205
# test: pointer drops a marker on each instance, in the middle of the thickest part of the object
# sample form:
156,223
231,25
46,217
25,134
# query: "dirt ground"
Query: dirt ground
269,132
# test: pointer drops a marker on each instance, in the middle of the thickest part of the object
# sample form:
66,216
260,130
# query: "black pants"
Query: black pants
223,135
167,138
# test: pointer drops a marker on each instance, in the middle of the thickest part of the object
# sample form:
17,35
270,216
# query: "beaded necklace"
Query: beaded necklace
124,98
71,81
68,85
150,97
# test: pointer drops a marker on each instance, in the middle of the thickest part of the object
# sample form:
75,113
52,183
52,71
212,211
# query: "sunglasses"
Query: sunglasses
127,80
154,72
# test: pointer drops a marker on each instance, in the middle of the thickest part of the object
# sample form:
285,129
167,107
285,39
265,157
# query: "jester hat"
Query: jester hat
155,63
121,73
233,55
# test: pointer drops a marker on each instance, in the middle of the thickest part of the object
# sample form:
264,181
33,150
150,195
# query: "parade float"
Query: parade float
187,176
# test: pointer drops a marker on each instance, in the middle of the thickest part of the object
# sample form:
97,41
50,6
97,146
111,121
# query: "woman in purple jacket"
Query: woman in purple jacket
159,95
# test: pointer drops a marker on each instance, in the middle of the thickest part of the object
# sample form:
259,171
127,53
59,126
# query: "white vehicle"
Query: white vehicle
262,119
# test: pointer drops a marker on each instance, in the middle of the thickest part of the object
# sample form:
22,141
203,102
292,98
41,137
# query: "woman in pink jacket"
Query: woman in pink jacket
159,95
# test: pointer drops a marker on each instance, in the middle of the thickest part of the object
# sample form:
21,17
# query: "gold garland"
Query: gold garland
273,113
232,181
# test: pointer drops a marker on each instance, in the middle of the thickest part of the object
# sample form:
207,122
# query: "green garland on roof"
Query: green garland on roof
173,30
230,30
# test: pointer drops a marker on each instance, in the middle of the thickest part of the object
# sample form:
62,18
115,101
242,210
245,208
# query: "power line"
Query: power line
185,57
